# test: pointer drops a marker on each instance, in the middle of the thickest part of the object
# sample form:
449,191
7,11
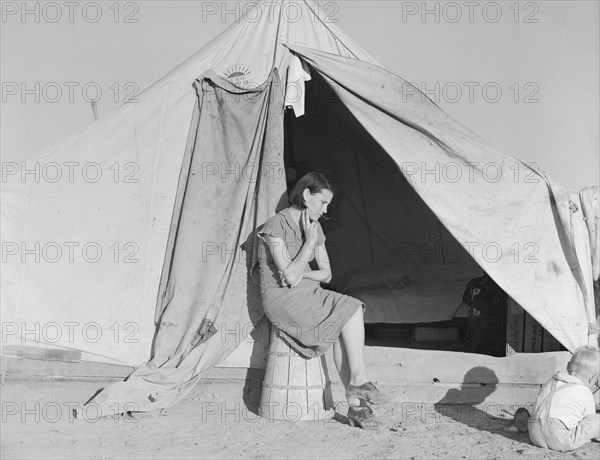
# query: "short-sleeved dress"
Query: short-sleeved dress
309,317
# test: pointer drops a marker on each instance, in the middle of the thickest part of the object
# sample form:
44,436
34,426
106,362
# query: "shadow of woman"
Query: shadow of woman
470,405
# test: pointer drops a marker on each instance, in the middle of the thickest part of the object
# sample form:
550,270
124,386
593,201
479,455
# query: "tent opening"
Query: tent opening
386,247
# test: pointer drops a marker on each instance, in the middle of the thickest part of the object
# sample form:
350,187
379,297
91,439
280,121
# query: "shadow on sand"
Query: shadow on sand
472,405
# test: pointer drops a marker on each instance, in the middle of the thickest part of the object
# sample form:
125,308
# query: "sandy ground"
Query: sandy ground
214,422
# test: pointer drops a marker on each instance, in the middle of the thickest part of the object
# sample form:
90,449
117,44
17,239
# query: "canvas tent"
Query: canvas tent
134,238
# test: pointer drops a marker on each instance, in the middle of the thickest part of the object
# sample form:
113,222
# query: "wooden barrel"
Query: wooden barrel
295,388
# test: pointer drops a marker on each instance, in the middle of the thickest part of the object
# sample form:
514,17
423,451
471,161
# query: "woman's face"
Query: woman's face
317,203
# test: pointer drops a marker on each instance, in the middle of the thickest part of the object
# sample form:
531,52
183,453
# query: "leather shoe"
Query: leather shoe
367,392
363,417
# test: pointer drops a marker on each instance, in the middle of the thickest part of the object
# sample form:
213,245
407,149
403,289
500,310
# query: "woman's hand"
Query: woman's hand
284,283
309,228
291,273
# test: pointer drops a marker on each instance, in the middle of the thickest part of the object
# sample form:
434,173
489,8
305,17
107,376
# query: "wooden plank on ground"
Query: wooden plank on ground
410,396
401,365
37,369
42,354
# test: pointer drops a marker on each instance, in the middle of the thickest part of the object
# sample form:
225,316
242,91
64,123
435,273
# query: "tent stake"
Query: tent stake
95,110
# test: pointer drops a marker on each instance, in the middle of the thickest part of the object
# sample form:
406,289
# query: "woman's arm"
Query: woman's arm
293,270
323,274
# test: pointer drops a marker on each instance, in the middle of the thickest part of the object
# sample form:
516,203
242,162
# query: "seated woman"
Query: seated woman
312,319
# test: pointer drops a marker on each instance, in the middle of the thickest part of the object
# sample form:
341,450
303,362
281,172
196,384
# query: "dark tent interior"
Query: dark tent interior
386,247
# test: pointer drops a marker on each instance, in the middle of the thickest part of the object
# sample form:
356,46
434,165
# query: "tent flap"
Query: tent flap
496,218
234,179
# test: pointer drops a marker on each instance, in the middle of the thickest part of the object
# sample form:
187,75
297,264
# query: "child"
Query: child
565,417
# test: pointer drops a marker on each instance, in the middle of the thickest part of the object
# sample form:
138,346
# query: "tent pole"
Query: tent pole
277,41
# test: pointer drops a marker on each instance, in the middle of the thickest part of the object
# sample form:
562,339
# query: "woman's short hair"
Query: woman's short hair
313,181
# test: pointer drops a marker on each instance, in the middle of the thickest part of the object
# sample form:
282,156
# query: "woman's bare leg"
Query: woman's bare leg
341,362
352,339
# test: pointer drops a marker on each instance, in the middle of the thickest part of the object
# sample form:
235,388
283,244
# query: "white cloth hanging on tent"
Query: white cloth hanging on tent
298,73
